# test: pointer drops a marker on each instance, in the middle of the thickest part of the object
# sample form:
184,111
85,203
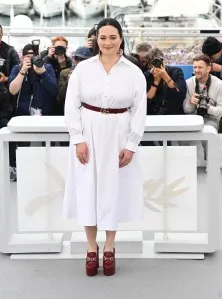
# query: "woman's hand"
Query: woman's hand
82,152
125,157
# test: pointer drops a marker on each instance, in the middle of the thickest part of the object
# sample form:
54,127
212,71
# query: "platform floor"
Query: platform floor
134,279
151,278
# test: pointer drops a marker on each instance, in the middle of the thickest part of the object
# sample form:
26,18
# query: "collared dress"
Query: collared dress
99,192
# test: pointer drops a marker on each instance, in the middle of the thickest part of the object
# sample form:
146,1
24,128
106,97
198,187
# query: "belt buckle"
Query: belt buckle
104,110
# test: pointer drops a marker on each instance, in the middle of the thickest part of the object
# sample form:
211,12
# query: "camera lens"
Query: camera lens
60,50
157,62
37,61
203,101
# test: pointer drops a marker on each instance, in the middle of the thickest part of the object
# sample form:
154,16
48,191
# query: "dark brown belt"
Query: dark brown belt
105,110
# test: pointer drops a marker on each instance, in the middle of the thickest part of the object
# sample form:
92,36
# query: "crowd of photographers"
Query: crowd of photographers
36,84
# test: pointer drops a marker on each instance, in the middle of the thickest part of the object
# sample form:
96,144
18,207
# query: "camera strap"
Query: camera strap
205,88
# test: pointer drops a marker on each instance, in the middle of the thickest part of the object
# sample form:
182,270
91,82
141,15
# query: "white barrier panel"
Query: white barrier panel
41,182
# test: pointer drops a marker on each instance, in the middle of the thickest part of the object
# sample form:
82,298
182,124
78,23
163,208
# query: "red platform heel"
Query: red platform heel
92,263
109,262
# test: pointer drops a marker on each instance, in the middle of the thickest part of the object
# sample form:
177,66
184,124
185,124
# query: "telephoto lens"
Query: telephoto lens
202,108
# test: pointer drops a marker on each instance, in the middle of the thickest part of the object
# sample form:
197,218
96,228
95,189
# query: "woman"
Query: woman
105,114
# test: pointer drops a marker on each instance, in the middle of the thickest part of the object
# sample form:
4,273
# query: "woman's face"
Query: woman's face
109,40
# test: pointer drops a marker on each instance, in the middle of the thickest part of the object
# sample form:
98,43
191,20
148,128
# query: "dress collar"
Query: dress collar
122,59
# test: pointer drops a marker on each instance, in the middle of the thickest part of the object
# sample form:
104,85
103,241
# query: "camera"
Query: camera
37,61
35,46
157,62
202,107
60,50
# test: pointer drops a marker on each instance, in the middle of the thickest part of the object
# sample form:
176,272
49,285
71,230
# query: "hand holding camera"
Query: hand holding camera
39,70
57,52
158,73
36,62
27,64
51,51
201,101
195,99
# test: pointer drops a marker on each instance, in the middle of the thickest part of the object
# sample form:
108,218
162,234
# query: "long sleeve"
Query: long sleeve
217,110
187,106
176,96
62,85
138,115
72,108
48,80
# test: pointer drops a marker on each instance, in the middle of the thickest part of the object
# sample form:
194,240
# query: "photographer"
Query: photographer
91,38
8,58
57,55
213,48
141,54
204,92
34,83
166,86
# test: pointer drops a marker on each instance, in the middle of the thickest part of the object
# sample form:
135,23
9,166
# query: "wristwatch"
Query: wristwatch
155,85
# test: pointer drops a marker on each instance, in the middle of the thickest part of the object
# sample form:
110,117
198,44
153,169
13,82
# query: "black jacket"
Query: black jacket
218,74
56,66
9,54
5,106
167,100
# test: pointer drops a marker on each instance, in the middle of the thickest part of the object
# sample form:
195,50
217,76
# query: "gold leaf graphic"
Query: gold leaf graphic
36,203
165,194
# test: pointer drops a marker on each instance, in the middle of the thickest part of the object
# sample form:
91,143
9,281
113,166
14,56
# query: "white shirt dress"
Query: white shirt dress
99,192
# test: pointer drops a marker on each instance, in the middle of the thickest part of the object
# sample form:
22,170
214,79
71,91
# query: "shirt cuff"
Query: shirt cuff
131,146
76,139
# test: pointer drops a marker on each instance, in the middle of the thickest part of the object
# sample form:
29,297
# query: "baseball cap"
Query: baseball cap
82,52
26,49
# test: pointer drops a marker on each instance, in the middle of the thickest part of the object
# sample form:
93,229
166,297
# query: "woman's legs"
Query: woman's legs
109,254
91,232
110,238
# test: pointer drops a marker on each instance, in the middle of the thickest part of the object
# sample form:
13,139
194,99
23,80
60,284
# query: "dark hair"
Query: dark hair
154,53
143,47
134,59
111,22
91,32
203,57
1,27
